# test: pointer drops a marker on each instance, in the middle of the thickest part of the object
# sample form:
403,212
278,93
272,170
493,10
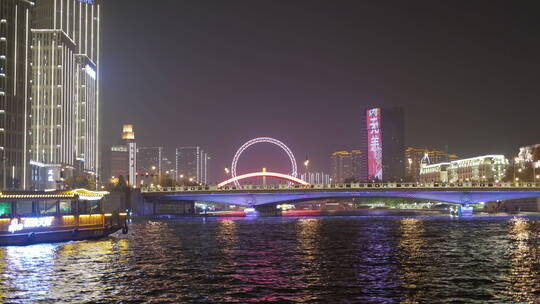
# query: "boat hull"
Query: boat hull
55,236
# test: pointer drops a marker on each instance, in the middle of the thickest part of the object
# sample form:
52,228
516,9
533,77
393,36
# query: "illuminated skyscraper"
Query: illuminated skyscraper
15,57
64,135
124,156
341,163
382,144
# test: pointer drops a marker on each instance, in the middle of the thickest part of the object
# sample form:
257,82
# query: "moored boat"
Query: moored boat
28,217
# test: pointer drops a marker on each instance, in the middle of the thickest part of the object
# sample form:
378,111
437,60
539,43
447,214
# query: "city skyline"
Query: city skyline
287,86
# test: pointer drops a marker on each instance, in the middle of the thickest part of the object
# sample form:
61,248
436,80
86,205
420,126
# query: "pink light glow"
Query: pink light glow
261,174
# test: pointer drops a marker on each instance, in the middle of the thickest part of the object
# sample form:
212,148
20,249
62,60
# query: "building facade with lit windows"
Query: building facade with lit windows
15,58
345,166
382,144
487,168
415,157
192,165
64,133
123,157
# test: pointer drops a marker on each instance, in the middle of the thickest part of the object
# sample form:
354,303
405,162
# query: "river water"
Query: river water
286,260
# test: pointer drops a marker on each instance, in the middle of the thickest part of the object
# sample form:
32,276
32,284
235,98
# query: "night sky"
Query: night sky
218,73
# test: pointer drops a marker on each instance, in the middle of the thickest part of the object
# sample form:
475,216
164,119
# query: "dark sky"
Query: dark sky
218,73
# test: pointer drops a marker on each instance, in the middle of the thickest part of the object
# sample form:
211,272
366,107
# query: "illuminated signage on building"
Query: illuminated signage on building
30,222
374,141
87,1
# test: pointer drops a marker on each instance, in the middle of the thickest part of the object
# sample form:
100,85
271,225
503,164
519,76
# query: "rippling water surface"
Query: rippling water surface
314,260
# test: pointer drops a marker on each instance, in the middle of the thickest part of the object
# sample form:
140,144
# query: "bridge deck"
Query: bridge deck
460,193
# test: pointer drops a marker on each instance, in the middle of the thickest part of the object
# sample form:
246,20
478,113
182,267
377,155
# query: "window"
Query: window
83,207
47,207
5,209
24,208
65,207
94,206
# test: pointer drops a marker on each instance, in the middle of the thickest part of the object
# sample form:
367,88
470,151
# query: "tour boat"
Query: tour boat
28,217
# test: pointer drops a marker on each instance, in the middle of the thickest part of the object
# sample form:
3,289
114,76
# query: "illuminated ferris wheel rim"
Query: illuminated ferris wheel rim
263,140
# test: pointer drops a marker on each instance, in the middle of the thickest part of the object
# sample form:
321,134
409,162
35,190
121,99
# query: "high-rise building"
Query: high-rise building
341,164
168,168
15,55
382,144
64,111
356,163
119,161
414,157
192,164
124,156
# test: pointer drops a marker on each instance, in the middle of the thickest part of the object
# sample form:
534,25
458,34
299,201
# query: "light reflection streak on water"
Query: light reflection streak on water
522,276
28,269
226,237
47,272
308,237
412,249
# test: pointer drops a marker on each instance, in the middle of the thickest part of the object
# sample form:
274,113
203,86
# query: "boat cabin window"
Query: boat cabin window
24,208
65,207
82,207
47,207
5,209
94,206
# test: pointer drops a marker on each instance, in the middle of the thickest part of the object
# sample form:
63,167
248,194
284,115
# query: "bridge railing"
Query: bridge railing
352,186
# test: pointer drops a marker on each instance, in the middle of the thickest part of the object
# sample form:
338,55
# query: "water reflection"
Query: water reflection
376,267
226,236
523,286
412,258
318,260
308,237
28,270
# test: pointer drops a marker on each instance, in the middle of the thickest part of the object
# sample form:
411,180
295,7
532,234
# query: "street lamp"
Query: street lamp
227,171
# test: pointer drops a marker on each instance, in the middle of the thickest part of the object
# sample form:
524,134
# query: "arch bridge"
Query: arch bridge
256,195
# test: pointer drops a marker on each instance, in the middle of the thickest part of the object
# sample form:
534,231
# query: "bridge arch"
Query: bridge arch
286,177
294,169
